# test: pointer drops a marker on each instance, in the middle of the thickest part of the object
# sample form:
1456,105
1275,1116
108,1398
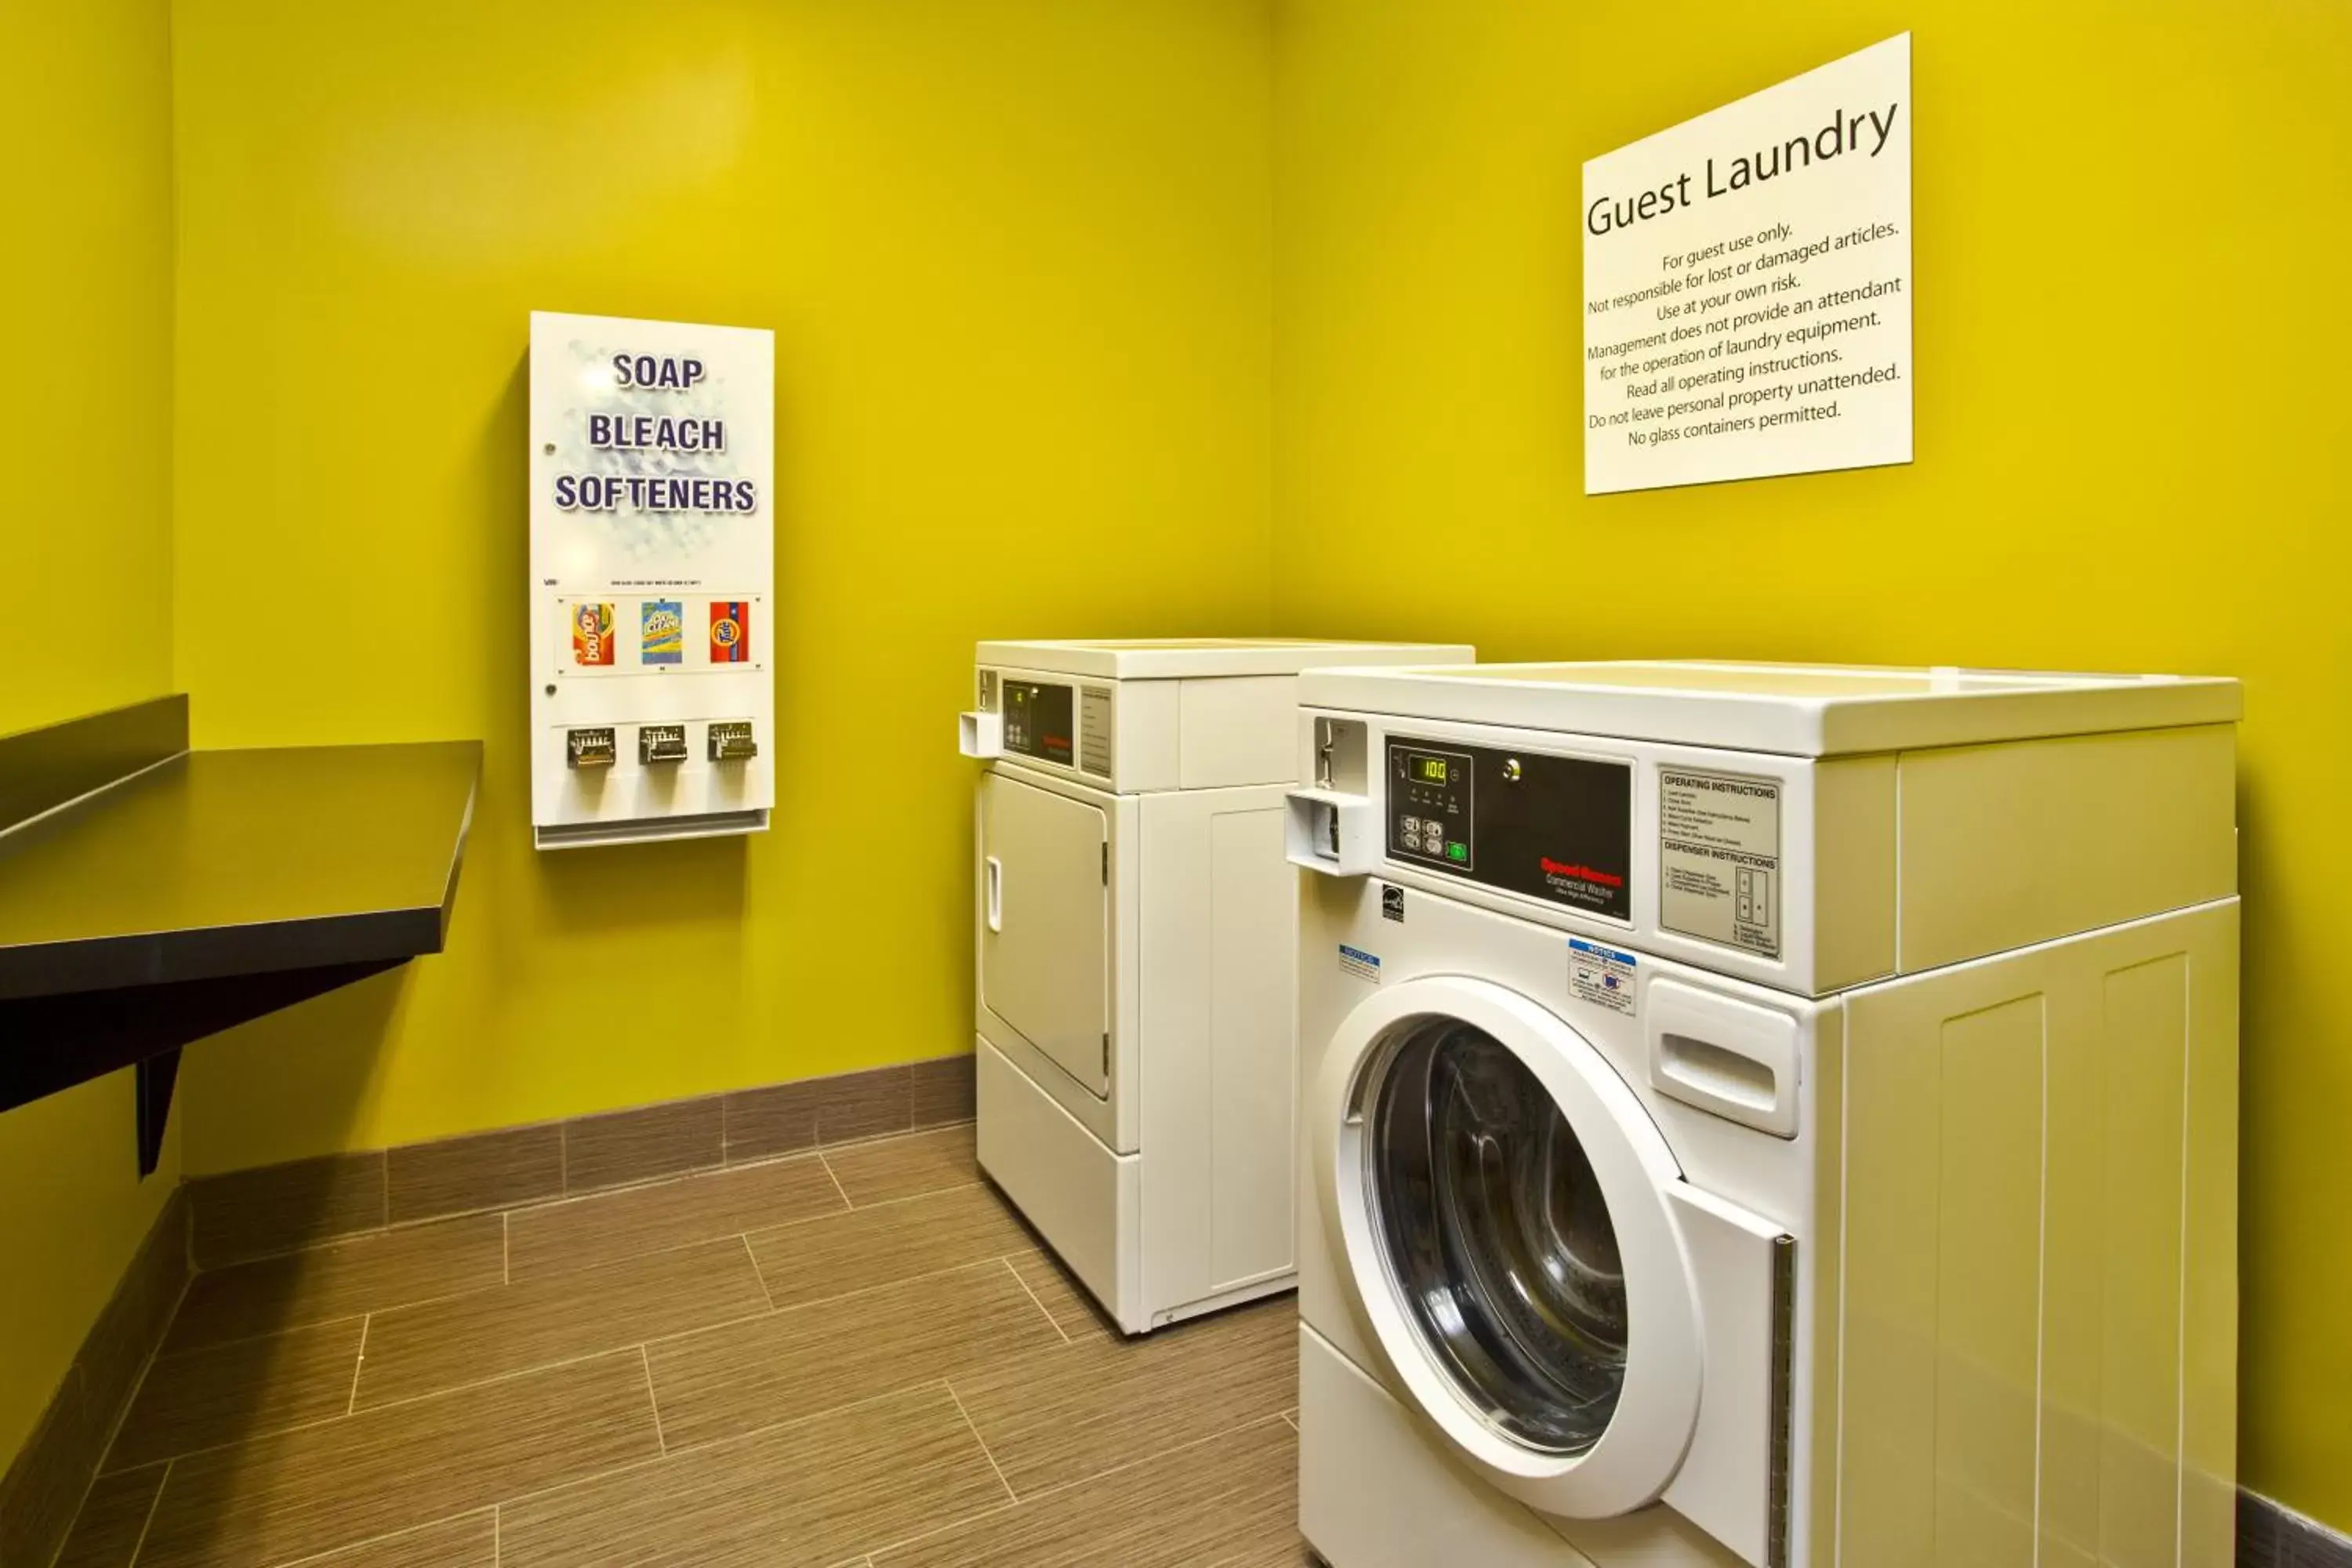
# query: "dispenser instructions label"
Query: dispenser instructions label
1719,858
1748,285
1601,975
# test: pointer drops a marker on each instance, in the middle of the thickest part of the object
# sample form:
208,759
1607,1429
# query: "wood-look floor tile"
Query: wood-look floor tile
480,1170
1227,1499
805,1360
1065,1299
812,1492
245,1214
229,1392
343,1280
642,1144
863,1248
114,1518
470,1541
318,1488
891,1168
582,1233
1093,1405
558,1317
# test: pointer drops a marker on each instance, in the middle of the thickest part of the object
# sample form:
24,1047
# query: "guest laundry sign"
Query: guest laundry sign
1748,285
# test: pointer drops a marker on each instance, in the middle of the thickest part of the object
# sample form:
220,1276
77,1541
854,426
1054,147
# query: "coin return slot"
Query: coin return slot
589,748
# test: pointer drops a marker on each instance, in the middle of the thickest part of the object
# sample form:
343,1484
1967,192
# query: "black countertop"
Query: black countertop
225,863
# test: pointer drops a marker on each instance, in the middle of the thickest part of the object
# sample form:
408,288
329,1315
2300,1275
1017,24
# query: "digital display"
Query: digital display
1432,769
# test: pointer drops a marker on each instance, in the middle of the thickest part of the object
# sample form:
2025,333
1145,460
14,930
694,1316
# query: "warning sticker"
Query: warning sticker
1601,975
1719,858
1363,965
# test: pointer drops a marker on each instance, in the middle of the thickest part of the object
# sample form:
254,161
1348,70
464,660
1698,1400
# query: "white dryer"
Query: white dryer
1767,1115
1137,1069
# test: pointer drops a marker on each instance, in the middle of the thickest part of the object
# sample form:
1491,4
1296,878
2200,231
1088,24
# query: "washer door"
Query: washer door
1500,1195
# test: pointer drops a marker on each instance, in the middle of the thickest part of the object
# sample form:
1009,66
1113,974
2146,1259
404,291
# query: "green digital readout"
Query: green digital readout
1433,769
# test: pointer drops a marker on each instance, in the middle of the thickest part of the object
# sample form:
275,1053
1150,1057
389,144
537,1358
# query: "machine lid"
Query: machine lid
1809,711
1181,658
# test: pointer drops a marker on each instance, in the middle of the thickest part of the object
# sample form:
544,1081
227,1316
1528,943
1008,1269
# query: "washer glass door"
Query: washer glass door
1498,1241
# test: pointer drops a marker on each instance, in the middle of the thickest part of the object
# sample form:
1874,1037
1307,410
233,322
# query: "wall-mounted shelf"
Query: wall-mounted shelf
202,889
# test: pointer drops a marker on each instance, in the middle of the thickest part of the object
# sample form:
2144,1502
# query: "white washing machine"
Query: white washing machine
1137,1073
1767,1115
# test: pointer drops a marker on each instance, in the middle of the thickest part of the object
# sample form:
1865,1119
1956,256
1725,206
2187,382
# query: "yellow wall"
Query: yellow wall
2130,238
86,555
1016,257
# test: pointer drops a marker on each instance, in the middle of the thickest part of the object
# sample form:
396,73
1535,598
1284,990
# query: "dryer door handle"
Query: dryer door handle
995,892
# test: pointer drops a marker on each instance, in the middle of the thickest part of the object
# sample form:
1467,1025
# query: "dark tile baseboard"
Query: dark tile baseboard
44,1484
277,1208
2270,1535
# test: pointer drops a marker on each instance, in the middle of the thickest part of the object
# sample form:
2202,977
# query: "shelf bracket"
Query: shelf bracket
49,1043
157,1075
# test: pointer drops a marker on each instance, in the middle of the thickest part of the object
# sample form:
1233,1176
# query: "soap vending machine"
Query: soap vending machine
652,571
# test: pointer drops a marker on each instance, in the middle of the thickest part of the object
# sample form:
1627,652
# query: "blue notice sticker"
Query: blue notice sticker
1363,965
1601,975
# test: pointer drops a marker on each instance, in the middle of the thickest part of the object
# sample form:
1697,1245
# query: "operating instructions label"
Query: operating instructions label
1094,730
1719,858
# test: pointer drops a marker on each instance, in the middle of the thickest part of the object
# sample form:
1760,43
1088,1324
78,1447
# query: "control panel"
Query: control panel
1431,796
1546,827
1037,721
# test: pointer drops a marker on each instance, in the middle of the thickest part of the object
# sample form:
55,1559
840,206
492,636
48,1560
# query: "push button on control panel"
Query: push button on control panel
1430,805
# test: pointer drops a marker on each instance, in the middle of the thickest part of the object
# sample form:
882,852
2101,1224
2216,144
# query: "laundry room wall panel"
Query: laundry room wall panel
1016,257
2128,437
86,556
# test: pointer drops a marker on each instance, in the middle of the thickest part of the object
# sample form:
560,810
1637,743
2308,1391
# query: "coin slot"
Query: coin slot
589,748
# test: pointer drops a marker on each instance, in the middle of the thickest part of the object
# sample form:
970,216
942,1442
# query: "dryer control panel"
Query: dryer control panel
1037,721
1550,828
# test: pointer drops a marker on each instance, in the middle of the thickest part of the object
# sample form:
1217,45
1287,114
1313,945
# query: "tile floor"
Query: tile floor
850,1359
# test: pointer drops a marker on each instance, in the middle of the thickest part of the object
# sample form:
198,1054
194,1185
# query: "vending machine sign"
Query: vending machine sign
592,634
731,632
661,633
652,468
